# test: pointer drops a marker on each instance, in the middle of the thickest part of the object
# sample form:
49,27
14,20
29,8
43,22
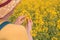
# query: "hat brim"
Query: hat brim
10,6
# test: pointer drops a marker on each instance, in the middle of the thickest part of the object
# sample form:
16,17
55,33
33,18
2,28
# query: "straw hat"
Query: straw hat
6,6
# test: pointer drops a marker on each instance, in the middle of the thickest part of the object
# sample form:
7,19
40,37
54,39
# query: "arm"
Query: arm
20,20
29,28
23,34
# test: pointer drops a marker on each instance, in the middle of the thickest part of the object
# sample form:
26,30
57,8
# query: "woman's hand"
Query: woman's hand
28,26
20,20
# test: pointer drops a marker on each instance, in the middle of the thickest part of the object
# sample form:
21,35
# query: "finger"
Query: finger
20,20
29,25
30,22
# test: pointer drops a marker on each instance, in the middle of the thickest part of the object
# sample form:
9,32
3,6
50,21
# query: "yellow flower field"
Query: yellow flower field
45,15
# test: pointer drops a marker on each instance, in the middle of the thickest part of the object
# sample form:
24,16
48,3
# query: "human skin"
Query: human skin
22,33
28,26
5,18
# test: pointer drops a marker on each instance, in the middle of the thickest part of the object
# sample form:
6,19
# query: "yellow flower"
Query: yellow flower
45,13
37,9
39,29
58,21
34,33
54,38
47,3
52,11
58,24
41,22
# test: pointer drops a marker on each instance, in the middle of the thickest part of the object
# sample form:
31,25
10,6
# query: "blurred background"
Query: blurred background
45,15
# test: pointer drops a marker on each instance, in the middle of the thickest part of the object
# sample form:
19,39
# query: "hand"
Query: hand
29,25
20,20
29,28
